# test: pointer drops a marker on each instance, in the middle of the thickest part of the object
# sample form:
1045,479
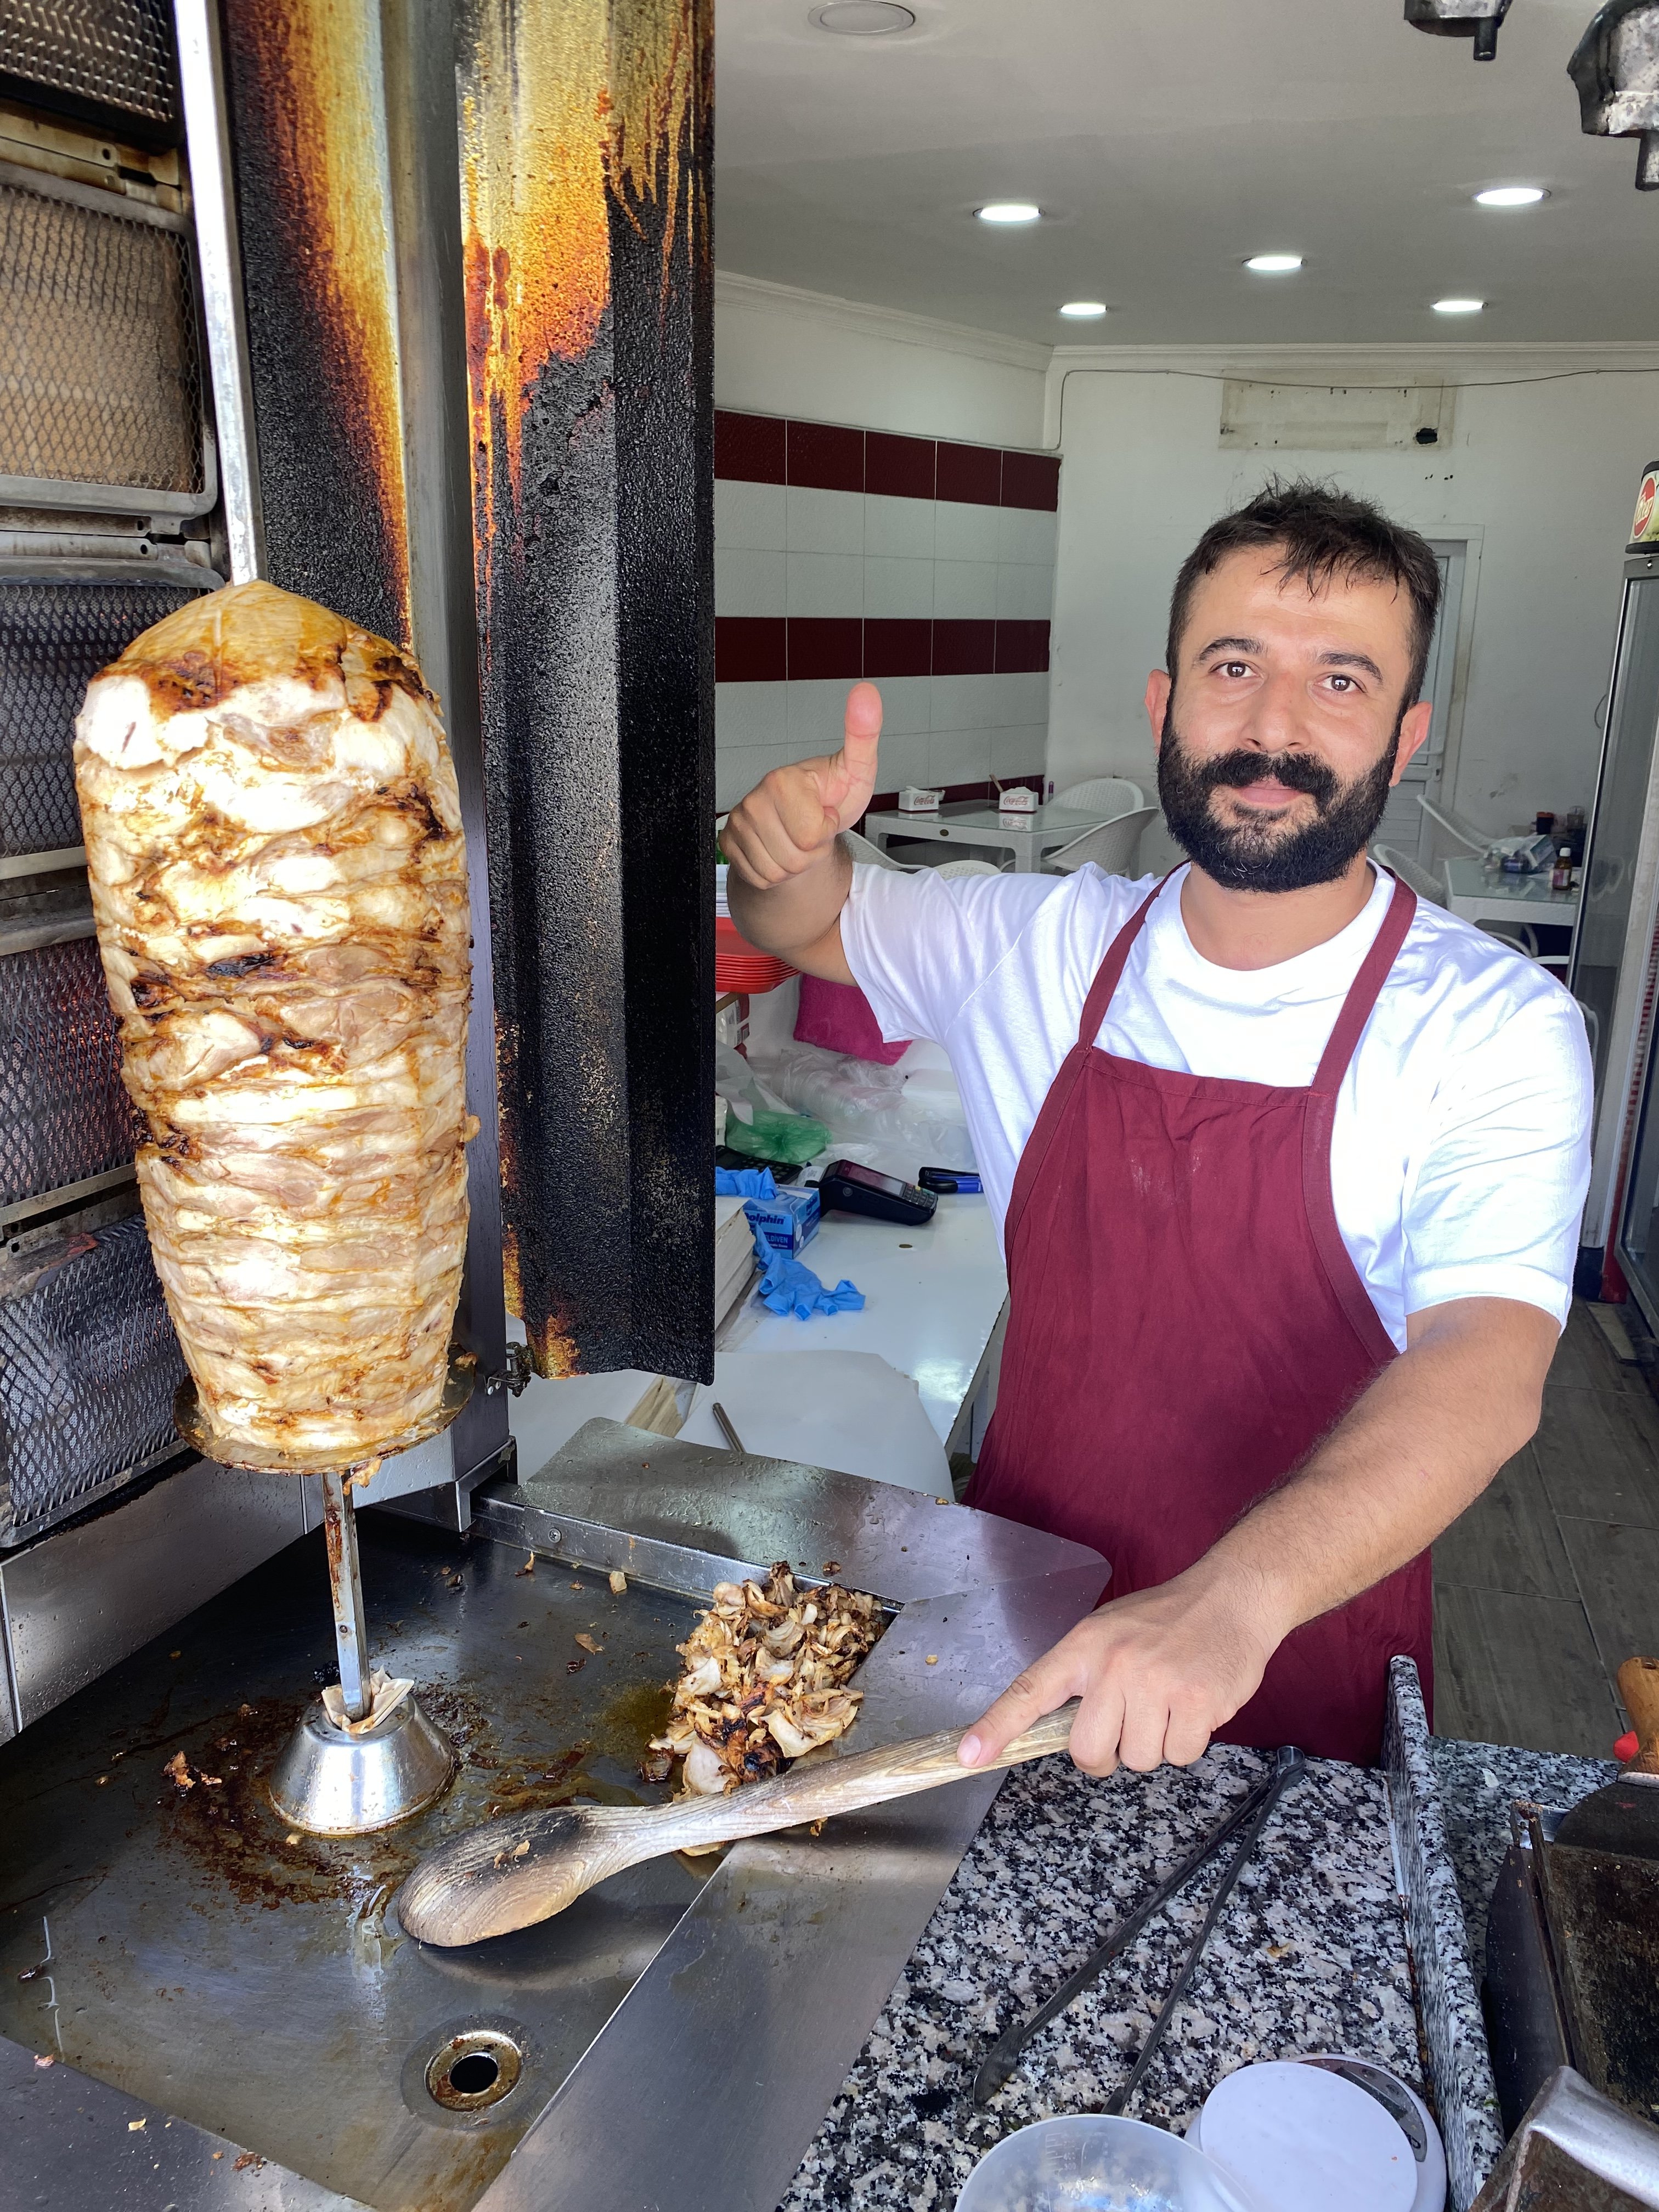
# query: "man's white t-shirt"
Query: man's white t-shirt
1460,1154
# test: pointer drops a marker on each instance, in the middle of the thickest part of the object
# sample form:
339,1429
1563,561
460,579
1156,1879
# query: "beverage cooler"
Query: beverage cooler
1615,955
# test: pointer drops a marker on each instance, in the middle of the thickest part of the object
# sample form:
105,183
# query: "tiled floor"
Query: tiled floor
1551,1578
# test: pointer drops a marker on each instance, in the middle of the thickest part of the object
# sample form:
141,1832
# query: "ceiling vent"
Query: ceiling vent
1616,66
1461,19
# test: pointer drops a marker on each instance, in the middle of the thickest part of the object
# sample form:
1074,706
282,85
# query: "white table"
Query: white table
1029,837
1477,893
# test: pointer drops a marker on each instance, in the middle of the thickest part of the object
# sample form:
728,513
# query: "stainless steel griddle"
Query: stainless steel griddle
678,2036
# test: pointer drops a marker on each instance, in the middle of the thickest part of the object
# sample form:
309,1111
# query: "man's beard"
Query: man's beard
1268,855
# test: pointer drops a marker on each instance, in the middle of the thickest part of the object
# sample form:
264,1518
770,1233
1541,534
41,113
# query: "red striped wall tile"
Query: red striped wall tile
750,649
1022,648
964,649
898,648
826,456
749,447
971,475
903,468
822,646
1031,480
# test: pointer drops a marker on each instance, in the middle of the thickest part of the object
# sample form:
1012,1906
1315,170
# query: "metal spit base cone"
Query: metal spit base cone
331,1782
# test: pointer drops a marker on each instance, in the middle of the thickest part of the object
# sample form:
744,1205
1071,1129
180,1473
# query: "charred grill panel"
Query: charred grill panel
305,109
64,1114
589,328
54,638
100,61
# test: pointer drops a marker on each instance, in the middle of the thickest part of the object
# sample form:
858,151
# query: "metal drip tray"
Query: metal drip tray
176,1944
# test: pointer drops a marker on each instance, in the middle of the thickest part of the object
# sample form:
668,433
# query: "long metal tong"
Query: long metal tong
1251,1814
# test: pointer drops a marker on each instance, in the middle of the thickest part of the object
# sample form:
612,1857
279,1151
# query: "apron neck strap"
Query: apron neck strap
1364,990
1111,970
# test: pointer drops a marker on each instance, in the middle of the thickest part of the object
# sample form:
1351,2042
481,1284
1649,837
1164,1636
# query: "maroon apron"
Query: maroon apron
1185,1325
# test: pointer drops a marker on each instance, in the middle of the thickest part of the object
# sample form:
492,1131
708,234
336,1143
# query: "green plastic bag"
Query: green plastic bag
791,1138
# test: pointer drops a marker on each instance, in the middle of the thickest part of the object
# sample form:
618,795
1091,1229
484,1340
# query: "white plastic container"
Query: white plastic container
1093,2163
913,799
1299,2139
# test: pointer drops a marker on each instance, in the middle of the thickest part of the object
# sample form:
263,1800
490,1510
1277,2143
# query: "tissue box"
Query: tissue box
913,800
786,1221
1019,801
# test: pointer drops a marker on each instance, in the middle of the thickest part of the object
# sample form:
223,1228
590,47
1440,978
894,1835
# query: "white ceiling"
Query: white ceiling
1170,138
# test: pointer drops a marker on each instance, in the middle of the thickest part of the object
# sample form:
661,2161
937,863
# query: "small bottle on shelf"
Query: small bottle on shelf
1561,875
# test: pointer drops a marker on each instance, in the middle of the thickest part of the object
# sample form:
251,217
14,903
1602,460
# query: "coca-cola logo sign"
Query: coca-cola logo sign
1644,500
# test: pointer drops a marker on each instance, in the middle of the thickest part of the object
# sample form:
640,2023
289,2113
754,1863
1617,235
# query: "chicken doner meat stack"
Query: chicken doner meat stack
278,876
278,869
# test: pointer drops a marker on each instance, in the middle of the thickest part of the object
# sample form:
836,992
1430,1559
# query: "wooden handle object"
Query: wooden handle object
514,1872
1639,1686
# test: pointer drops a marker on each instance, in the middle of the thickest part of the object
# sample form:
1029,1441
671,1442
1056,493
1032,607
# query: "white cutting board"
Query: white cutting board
846,1410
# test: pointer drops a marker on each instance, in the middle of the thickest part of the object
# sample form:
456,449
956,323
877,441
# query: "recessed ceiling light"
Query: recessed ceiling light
1008,211
863,18
1274,265
1511,196
1084,310
1458,306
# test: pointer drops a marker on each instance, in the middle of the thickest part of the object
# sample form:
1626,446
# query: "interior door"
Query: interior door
1405,827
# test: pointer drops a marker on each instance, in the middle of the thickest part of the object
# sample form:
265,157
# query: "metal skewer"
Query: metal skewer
346,1585
725,1428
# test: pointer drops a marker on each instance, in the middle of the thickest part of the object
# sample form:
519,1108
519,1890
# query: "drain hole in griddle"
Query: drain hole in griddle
472,2070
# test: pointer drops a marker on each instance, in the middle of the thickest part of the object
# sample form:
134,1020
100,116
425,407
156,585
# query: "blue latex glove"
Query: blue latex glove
787,1287
744,1182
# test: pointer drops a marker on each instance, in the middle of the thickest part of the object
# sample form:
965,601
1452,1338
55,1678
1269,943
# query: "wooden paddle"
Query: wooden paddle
515,1872
1639,1686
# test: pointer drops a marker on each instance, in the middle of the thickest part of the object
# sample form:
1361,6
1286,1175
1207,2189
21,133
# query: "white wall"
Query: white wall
1544,475
783,352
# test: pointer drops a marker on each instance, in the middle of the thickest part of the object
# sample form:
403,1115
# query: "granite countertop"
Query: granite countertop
1310,1954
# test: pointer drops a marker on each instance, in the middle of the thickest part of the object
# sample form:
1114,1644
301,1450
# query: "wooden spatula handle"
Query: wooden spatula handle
1639,1686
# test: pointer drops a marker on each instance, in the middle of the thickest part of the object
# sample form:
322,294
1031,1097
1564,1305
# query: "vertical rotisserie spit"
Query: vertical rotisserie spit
278,875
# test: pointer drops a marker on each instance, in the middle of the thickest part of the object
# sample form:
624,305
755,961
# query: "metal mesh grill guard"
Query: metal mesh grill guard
54,638
115,55
100,373
88,1366
64,1114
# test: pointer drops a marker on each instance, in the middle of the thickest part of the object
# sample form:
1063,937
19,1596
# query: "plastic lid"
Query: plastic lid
1301,2140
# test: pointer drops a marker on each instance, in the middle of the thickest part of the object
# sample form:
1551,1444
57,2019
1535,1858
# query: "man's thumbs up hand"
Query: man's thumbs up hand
788,821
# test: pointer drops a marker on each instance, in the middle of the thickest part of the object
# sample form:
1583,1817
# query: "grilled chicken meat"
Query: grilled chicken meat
764,1679
278,873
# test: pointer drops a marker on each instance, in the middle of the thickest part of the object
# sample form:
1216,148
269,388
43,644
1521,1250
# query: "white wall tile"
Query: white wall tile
825,584
749,515
822,521
906,705
964,591
898,588
958,756
899,526
738,771
818,714
903,760
1024,534
747,714
965,533
747,582
966,702
1025,591
1018,752
1022,701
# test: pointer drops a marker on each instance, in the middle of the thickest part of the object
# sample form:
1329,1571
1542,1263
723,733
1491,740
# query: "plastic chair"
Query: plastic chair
967,868
1112,846
1414,876
1115,793
866,854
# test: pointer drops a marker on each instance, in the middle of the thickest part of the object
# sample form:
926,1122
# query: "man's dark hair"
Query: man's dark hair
1319,533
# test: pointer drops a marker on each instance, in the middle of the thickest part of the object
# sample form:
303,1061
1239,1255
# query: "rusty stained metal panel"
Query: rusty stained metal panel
587,142
305,85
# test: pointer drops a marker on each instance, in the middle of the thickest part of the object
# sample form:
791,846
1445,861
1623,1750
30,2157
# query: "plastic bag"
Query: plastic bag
757,1124
860,1100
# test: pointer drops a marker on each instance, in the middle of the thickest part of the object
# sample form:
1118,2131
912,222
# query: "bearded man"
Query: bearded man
1291,1164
